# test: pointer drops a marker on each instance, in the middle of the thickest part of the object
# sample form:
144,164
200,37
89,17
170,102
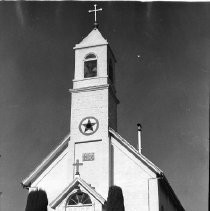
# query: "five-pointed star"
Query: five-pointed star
89,125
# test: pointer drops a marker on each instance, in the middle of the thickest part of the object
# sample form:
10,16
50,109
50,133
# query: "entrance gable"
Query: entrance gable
78,196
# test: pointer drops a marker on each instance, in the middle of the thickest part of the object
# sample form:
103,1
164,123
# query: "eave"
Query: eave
94,38
46,162
135,152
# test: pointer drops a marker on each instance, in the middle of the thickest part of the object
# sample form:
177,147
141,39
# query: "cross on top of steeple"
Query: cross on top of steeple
95,11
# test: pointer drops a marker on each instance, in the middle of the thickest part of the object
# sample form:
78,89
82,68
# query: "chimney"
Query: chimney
139,137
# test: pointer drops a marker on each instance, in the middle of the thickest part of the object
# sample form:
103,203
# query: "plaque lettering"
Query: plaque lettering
88,156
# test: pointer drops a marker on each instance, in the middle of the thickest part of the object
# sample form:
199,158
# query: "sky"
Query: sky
162,51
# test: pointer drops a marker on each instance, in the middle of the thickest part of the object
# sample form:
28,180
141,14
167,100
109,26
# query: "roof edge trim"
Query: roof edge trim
63,144
65,192
151,165
167,185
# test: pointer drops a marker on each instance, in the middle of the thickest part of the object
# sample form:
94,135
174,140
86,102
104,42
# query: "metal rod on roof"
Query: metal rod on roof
139,127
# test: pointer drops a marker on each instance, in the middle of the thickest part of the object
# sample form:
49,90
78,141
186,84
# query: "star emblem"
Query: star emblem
88,125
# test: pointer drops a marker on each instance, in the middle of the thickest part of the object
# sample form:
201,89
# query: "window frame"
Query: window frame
90,59
78,203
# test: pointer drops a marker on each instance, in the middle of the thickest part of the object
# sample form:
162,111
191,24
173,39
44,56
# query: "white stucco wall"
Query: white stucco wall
133,177
94,104
95,172
56,177
89,103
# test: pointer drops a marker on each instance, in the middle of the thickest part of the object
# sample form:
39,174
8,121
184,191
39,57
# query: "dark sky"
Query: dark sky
163,54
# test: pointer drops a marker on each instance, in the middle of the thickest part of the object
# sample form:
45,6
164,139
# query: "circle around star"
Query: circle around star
88,125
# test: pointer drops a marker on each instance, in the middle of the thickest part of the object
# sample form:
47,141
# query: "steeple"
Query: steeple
93,108
94,100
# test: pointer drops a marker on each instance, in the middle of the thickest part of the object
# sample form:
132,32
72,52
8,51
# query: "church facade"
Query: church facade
77,174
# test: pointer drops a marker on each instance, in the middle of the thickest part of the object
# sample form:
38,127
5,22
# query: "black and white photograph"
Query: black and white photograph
104,105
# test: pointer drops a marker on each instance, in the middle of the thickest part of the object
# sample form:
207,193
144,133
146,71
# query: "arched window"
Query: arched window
79,198
90,66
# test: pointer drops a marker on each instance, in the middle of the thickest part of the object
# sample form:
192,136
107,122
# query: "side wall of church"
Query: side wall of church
165,201
112,112
55,177
112,100
133,177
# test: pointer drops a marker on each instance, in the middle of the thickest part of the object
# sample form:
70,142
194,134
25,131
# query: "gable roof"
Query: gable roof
46,162
135,152
94,38
167,187
164,182
70,187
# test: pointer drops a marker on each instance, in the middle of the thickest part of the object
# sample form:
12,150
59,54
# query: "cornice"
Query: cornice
89,88
94,88
90,46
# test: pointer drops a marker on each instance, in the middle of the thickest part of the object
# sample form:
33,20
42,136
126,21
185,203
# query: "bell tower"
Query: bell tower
93,95
93,110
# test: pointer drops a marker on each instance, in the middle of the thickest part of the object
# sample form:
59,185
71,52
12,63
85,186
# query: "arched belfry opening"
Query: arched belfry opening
90,66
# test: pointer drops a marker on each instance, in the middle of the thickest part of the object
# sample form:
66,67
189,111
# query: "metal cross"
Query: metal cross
77,164
95,10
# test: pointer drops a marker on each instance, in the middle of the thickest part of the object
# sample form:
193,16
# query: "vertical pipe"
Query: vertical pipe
139,137
0,200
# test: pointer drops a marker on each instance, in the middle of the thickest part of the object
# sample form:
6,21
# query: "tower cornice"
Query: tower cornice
90,46
94,88
89,88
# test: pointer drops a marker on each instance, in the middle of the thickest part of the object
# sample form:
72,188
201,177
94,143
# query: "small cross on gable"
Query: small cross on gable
77,164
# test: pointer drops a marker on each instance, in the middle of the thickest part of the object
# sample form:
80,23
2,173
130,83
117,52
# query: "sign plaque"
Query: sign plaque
88,156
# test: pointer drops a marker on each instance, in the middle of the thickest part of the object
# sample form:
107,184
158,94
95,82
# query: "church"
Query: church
77,174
